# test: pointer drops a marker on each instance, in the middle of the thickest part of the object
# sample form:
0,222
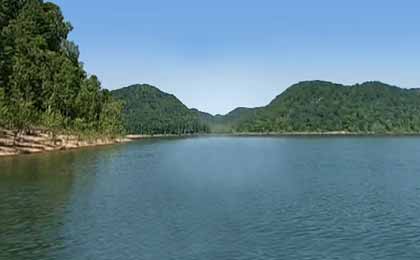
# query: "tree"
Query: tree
53,121
4,112
42,82
88,101
110,117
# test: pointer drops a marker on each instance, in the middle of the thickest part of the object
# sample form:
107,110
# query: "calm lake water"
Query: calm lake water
220,198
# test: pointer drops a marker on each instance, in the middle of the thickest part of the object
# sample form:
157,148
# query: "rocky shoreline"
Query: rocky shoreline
38,142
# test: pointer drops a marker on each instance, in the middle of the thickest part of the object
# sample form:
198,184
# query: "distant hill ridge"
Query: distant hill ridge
308,106
148,110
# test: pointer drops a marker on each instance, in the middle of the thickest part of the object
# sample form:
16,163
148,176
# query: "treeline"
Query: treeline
176,126
42,83
147,110
319,106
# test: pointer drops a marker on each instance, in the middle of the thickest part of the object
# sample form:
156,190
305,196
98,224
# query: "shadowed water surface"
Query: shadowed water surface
215,198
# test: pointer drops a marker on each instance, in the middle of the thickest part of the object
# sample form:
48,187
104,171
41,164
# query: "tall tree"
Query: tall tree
42,82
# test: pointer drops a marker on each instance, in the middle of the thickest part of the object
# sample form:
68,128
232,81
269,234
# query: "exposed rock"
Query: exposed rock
37,142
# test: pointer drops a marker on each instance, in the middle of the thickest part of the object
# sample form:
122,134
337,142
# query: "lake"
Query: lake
220,198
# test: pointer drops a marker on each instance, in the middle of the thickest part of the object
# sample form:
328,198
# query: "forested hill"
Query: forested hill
225,123
147,110
310,106
319,106
42,83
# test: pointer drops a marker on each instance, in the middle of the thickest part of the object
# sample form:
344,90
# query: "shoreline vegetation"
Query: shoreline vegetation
330,133
47,98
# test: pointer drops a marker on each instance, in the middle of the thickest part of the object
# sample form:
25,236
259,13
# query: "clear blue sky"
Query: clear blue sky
216,55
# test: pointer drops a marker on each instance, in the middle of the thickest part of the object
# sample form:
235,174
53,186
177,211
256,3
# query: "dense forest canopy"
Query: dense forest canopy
319,106
310,106
147,110
42,82
224,123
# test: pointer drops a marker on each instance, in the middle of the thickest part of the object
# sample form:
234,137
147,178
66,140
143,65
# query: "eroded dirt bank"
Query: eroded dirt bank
37,142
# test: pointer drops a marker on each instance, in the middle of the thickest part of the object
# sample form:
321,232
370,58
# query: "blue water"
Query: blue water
220,198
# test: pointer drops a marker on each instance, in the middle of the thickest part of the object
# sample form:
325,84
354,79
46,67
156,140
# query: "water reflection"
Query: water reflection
36,193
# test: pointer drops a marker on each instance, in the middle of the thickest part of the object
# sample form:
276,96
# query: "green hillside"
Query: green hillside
147,110
216,124
310,106
319,106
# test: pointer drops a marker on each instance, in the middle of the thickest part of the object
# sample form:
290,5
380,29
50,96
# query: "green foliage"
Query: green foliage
225,123
4,112
88,100
318,106
147,110
53,121
42,83
110,115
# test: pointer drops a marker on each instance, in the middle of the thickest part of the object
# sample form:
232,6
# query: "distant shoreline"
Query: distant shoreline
332,133
30,144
